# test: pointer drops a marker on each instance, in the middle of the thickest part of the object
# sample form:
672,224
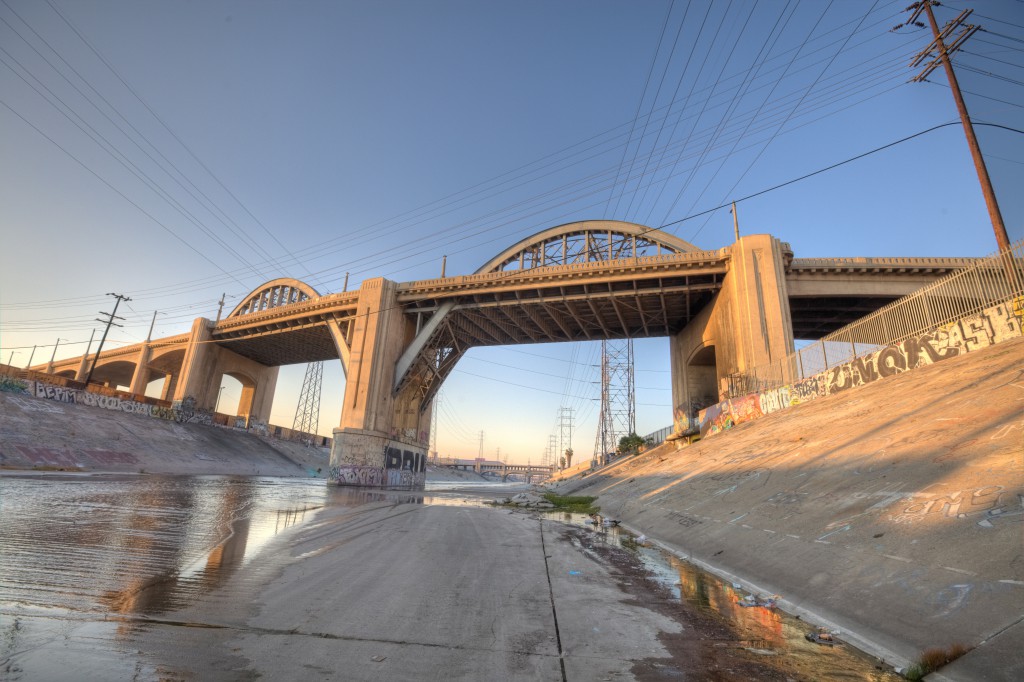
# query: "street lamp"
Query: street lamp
216,408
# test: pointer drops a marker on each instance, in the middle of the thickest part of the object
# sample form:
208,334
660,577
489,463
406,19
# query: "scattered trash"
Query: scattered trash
641,540
737,586
764,602
822,636
378,659
575,572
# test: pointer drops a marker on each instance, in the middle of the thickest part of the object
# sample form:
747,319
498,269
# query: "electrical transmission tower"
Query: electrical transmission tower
565,434
307,413
618,396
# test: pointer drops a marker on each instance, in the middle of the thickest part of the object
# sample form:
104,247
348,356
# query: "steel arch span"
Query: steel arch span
585,242
274,294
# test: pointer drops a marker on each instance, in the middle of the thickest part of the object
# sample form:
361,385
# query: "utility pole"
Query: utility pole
735,222
110,322
54,354
944,51
30,356
220,308
480,452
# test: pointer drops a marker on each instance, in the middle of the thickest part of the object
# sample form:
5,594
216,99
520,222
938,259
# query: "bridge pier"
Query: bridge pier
206,363
383,437
746,324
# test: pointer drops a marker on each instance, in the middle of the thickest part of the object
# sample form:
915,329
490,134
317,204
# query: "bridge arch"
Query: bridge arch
583,242
276,292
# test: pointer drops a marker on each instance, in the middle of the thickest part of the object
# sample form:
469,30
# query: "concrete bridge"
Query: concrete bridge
530,471
724,311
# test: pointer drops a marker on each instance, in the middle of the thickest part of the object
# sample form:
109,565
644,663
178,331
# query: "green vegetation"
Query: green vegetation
579,504
631,444
934,658
13,385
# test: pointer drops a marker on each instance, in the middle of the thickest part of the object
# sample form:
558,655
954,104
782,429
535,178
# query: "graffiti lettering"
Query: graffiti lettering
357,475
993,325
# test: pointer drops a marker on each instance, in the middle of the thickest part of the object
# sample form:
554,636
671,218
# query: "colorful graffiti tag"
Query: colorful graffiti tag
993,325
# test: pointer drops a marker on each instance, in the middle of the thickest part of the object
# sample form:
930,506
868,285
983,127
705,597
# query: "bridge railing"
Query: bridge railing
986,282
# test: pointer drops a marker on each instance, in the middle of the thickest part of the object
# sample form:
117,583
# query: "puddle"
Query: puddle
761,630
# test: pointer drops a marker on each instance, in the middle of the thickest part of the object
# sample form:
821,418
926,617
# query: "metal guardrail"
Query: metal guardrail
986,282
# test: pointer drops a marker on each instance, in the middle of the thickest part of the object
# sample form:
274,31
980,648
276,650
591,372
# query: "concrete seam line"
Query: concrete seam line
551,596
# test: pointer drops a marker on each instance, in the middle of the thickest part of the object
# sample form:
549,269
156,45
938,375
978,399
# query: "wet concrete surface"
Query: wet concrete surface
214,577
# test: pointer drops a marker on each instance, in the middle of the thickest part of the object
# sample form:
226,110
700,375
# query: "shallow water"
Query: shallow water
764,631
85,560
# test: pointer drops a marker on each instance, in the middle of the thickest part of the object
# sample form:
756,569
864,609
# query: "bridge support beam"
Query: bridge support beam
383,437
746,324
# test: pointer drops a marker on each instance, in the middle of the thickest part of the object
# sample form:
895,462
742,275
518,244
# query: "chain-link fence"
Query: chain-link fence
989,281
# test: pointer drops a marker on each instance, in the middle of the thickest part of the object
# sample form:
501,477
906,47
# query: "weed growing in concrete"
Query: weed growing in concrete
933,658
579,504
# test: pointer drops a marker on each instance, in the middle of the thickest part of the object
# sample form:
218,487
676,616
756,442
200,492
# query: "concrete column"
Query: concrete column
167,392
747,323
83,368
141,375
373,419
195,378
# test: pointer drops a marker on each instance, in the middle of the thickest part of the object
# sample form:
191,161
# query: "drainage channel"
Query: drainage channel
756,623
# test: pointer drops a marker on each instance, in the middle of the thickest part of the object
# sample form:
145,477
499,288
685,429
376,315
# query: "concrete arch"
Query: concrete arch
248,394
114,372
276,292
586,241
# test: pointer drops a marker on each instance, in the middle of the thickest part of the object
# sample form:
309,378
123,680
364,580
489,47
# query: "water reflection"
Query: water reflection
139,545
765,631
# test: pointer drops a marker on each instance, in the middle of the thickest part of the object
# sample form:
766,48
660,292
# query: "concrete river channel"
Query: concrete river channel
211,577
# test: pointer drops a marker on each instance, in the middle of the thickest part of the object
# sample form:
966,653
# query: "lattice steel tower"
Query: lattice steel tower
618,396
307,413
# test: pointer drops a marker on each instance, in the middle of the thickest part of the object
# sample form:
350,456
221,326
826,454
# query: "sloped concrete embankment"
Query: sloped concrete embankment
44,434
893,511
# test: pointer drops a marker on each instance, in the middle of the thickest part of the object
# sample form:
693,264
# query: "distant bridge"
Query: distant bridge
724,311
530,471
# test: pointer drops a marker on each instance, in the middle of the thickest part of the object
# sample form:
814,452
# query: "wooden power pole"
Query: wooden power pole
944,50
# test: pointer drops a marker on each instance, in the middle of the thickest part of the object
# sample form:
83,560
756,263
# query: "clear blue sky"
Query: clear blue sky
317,138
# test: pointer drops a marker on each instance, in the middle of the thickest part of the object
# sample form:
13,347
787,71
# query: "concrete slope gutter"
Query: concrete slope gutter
893,511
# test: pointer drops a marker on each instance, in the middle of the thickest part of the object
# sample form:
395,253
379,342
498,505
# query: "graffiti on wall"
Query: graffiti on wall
182,412
994,502
357,475
993,325
728,413
405,460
